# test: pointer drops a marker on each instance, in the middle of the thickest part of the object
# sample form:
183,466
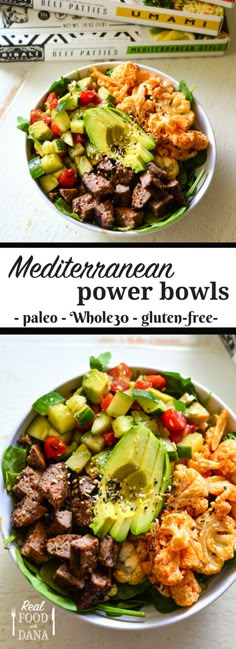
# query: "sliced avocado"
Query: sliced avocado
150,503
127,454
96,385
120,529
140,478
105,520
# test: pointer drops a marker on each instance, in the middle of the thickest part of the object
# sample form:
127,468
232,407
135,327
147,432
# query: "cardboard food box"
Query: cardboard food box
35,38
186,15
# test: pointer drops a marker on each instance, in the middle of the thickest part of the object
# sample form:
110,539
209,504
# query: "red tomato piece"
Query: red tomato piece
119,385
121,371
96,408
35,115
143,385
83,429
78,138
52,100
67,177
174,420
109,438
55,129
89,97
156,380
53,446
106,401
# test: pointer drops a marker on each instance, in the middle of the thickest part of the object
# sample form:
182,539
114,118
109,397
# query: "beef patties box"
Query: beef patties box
186,15
50,38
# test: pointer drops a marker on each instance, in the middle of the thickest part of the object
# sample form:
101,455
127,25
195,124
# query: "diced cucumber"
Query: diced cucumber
67,138
84,83
77,126
120,404
78,459
102,423
121,424
48,147
76,403
83,165
61,418
92,153
64,456
68,104
196,413
64,437
191,444
171,449
105,95
42,404
35,168
78,113
148,401
95,443
48,183
38,148
59,146
77,150
51,162
39,428
98,462
85,416
142,417
77,436
40,131
62,120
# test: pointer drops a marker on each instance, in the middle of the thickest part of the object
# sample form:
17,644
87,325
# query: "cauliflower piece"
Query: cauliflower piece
217,536
215,433
166,568
169,165
189,491
225,456
187,591
225,493
129,569
178,548
202,461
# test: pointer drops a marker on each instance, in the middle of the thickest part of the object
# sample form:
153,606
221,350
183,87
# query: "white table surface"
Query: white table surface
25,216
32,364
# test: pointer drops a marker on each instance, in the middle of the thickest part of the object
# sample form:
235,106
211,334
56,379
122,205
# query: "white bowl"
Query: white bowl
217,585
201,123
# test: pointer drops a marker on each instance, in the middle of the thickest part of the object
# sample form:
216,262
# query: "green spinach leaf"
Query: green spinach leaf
13,462
177,385
59,86
100,362
22,124
186,91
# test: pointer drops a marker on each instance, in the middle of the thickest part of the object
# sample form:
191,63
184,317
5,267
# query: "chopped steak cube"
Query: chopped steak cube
64,578
157,171
34,547
146,178
108,552
126,217
60,545
84,206
122,175
106,167
104,214
161,207
98,186
140,196
122,195
61,523
28,511
83,555
36,458
27,483
82,512
69,194
85,486
53,485
94,592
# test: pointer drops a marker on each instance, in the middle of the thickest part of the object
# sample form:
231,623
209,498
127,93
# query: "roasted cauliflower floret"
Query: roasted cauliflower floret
129,568
202,461
217,536
215,433
189,491
225,456
187,591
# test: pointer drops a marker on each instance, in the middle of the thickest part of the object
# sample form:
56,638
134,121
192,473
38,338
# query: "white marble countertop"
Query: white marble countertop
26,217
32,364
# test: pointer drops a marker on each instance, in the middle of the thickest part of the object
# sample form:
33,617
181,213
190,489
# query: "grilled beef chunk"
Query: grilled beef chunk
104,214
108,552
122,175
27,483
84,206
98,186
61,523
69,194
146,178
83,555
126,217
25,439
53,485
85,486
28,511
157,171
59,546
161,207
82,512
106,167
64,578
34,547
140,197
53,196
122,195
95,591
173,187
36,458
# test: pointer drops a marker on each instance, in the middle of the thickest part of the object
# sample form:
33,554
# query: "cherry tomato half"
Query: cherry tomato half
176,436
89,97
106,401
78,138
36,114
121,371
174,420
143,385
119,385
55,129
83,429
109,438
52,100
156,380
53,446
67,177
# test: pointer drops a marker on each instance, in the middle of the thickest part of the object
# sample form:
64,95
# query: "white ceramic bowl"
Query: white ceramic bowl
202,123
218,584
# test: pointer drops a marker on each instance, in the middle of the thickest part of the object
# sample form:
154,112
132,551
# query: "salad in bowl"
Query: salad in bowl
121,492
120,147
